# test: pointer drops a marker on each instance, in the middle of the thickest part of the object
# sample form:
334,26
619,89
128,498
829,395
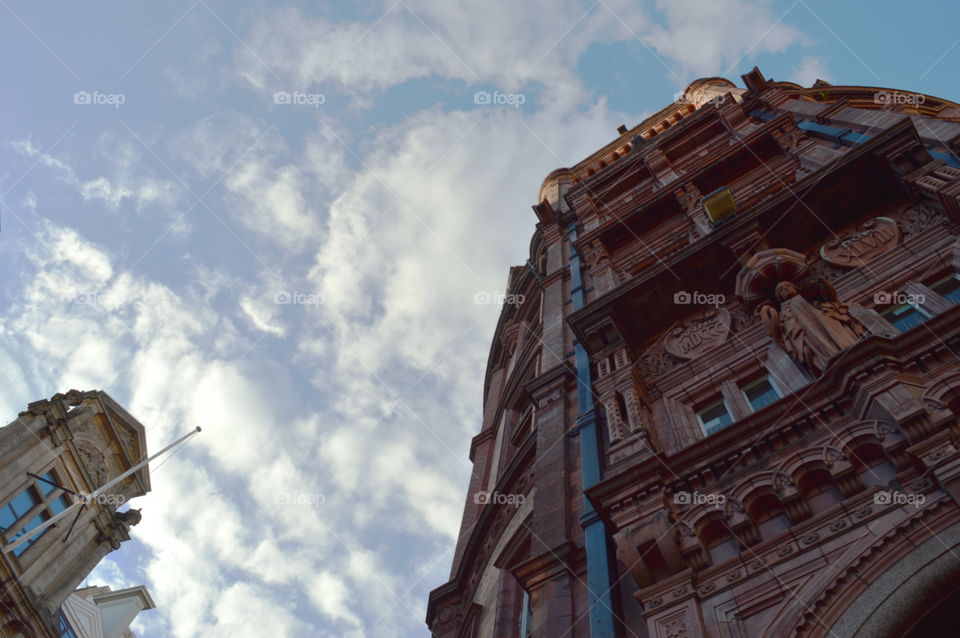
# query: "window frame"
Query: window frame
42,509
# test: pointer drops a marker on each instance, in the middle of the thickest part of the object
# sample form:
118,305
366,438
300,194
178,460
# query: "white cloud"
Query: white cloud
809,71
709,38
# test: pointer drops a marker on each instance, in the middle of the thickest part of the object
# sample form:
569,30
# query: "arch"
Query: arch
945,393
883,591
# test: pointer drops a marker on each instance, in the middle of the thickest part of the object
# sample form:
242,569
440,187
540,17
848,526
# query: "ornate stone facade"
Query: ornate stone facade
738,428
83,440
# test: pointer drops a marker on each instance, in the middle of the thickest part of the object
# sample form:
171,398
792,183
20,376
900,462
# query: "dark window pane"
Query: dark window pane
760,394
45,487
948,288
904,317
7,518
58,505
34,522
715,418
66,631
23,503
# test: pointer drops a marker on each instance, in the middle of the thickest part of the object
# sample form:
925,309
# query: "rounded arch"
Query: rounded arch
883,591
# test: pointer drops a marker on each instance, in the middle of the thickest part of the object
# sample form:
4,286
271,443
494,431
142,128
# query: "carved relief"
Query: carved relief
675,628
657,361
93,461
812,327
691,337
873,238
920,217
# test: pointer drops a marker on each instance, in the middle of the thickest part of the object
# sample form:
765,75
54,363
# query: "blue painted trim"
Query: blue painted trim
599,572
949,158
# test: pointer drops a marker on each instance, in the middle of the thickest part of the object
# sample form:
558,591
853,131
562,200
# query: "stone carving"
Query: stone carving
675,628
93,461
785,550
826,270
838,525
813,327
918,218
129,518
691,337
874,237
657,361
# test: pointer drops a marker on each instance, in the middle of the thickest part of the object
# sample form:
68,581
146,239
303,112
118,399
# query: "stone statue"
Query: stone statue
129,518
811,327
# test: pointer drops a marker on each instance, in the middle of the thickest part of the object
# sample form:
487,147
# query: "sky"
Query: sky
285,222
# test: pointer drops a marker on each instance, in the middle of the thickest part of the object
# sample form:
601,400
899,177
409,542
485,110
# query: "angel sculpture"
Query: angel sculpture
811,327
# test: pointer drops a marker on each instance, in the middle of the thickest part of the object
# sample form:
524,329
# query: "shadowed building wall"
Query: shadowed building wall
723,398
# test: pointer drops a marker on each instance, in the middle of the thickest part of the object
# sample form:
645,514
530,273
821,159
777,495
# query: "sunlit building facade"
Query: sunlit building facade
724,399
54,453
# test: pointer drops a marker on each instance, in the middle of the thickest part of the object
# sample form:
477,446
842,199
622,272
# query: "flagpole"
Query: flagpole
87,498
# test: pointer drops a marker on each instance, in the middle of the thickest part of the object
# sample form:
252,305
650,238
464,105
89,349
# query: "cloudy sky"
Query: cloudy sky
274,219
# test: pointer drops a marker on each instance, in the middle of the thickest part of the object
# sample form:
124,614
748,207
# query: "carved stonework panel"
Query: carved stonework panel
873,238
657,361
691,337
93,460
920,217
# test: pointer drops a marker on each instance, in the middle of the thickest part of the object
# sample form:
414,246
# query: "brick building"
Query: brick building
726,404
56,451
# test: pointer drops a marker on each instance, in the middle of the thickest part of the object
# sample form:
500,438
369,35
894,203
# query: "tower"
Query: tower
725,402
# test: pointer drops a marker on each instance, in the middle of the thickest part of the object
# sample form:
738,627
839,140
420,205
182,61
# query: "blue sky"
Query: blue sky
271,219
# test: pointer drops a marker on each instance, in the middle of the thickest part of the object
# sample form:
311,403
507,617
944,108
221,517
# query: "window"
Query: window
526,616
30,508
760,393
714,417
948,288
63,626
904,316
